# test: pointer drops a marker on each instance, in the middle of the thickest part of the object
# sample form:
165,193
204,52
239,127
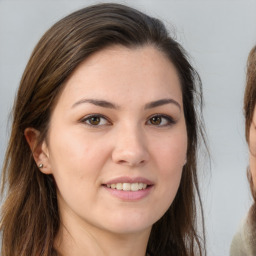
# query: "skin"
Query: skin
127,142
252,147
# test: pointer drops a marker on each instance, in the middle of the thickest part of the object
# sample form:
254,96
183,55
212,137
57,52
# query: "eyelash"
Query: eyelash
169,120
89,119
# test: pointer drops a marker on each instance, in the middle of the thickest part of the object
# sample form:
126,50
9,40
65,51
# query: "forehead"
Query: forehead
120,57
117,71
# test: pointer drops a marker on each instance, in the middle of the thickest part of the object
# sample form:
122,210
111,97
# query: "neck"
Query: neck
84,240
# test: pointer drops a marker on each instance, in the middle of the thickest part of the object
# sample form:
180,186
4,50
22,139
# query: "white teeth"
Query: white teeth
134,187
128,186
140,185
119,186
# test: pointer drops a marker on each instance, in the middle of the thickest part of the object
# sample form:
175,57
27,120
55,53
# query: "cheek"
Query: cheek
171,151
253,169
76,163
252,144
170,156
75,156
252,148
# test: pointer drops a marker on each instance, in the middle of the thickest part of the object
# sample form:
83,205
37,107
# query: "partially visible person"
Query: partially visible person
244,241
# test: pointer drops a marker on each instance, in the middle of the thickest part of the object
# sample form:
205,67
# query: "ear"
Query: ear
39,150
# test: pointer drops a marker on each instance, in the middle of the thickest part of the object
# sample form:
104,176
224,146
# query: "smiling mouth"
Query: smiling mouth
128,186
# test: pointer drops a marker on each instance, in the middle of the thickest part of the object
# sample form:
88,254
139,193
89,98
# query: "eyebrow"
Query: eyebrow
161,102
107,104
100,103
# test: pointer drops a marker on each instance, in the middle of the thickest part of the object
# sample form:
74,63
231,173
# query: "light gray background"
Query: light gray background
218,36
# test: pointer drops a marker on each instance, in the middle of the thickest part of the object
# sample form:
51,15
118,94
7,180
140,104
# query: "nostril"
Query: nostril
130,155
131,162
122,161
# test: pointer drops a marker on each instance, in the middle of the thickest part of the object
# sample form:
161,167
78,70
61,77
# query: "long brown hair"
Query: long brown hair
29,217
249,106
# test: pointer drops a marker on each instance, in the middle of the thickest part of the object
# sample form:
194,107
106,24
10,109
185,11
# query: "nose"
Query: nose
130,148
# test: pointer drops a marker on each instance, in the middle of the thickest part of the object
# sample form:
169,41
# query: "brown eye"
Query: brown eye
156,120
160,120
96,120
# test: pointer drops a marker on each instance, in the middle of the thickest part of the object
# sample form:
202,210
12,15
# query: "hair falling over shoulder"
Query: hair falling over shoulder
29,216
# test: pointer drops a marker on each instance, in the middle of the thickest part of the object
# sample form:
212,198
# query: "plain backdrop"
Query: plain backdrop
218,36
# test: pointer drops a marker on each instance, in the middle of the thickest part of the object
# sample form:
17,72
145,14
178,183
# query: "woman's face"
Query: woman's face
252,147
117,141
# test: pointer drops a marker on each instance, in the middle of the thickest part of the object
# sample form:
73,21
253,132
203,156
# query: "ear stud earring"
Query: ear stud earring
40,165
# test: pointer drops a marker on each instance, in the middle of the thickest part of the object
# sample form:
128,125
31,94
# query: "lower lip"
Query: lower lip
130,195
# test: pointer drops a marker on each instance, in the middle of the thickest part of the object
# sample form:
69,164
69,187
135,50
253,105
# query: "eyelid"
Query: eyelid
170,119
87,117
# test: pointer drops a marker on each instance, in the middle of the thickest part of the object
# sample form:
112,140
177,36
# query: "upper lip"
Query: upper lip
126,179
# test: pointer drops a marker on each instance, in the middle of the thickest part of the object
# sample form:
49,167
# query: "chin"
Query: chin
126,230
129,223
